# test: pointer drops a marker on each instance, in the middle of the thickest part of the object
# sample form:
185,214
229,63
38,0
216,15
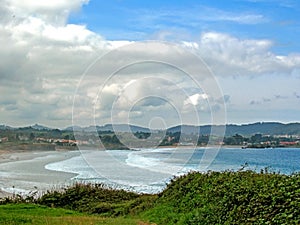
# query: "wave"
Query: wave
146,170
16,191
111,169
76,165
157,160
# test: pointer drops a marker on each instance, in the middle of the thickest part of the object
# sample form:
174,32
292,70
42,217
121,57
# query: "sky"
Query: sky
84,62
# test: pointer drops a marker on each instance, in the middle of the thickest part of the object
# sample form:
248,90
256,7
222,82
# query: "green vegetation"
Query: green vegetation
30,138
229,198
17,214
97,199
263,141
242,197
111,141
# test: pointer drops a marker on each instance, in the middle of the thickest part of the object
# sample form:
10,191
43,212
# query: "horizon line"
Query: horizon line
108,124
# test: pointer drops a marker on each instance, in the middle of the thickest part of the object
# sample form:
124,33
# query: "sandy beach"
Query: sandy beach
22,172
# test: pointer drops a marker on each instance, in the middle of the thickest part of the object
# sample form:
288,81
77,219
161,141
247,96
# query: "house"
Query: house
288,143
4,139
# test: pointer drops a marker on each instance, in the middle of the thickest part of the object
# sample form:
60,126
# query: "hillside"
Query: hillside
267,128
242,197
229,198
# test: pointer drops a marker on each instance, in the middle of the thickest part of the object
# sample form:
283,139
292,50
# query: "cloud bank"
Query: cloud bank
43,57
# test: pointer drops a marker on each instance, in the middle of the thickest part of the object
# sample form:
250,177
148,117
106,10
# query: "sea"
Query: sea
150,170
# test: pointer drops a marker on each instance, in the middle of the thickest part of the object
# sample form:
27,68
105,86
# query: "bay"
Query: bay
144,171
149,170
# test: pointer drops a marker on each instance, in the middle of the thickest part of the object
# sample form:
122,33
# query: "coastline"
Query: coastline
198,146
22,172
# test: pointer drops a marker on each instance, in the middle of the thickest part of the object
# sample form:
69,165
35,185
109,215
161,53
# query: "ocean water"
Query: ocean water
149,170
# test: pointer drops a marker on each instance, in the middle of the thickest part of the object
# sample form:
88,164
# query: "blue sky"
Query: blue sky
250,46
144,20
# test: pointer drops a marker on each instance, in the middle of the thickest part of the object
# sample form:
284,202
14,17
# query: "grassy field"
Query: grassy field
42,215
242,197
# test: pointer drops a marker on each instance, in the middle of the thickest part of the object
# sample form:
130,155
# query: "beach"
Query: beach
143,171
22,172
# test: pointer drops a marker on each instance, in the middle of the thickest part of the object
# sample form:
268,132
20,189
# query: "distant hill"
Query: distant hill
4,127
73,128
40,127
186,129
268,128
110,127
33,127
122,128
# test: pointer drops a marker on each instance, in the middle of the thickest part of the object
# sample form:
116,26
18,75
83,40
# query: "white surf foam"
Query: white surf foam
148,159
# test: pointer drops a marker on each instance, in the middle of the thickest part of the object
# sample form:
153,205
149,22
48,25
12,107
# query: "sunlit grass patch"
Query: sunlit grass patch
41,215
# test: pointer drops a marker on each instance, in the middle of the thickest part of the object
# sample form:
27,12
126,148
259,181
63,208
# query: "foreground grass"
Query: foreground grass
229,198
98,199
43,215
243,197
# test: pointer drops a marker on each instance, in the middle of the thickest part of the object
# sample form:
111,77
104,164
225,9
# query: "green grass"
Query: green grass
98,199
229,198
18,214
226,198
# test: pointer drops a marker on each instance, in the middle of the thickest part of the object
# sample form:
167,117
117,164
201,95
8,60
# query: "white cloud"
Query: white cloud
244,19
54,11
43,58
191,17
230,56
196,99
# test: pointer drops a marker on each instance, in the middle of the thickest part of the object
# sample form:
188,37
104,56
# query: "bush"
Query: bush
94,198
243,197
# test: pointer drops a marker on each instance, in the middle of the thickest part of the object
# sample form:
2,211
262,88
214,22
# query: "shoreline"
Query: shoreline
22,172
25,170
194,147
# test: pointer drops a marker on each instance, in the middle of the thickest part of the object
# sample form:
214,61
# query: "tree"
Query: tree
67,137
31,136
